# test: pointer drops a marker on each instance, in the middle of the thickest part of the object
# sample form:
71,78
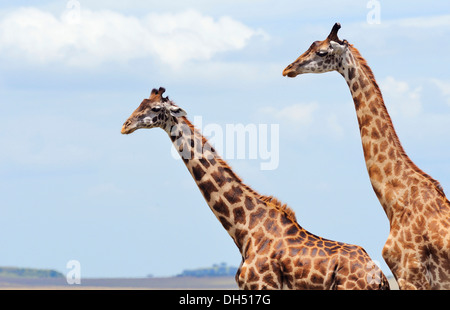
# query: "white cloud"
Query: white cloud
298,113
400,98
411,24
422,22
87,37
298,116
395,36
444,87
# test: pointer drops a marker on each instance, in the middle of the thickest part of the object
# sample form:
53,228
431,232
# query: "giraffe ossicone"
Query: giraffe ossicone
277,253
418,246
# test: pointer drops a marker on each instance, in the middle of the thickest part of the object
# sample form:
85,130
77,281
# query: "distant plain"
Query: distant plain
169,283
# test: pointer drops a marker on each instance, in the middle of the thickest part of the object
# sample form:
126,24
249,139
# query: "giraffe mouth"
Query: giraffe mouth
127,130
289,72
292,74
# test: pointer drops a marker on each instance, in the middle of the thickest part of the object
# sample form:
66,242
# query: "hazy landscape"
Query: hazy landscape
170,283
218,278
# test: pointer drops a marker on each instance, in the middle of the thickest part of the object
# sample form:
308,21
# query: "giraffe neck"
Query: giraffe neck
390,169
228,198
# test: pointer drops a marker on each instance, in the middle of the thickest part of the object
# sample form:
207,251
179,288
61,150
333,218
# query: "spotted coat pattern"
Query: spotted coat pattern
277,253
418,247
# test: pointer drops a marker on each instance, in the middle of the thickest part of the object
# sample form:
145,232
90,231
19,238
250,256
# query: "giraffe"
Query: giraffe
277,253
417,249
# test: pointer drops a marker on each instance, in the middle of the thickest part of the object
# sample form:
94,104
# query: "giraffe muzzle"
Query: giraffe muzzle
126,129
289,72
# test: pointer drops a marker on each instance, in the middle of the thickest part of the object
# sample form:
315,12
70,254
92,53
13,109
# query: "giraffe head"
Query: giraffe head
322,56
156,111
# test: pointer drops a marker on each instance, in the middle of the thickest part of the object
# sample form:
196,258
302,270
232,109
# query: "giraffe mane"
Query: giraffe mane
363,63
277,204
367,69
270,201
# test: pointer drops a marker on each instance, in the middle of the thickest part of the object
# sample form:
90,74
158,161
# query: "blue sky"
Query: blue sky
72,187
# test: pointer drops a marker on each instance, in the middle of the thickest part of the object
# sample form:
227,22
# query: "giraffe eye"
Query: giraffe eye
156,109
322,53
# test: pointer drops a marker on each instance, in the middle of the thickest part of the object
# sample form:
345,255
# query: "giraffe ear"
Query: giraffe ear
337,48
177,111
